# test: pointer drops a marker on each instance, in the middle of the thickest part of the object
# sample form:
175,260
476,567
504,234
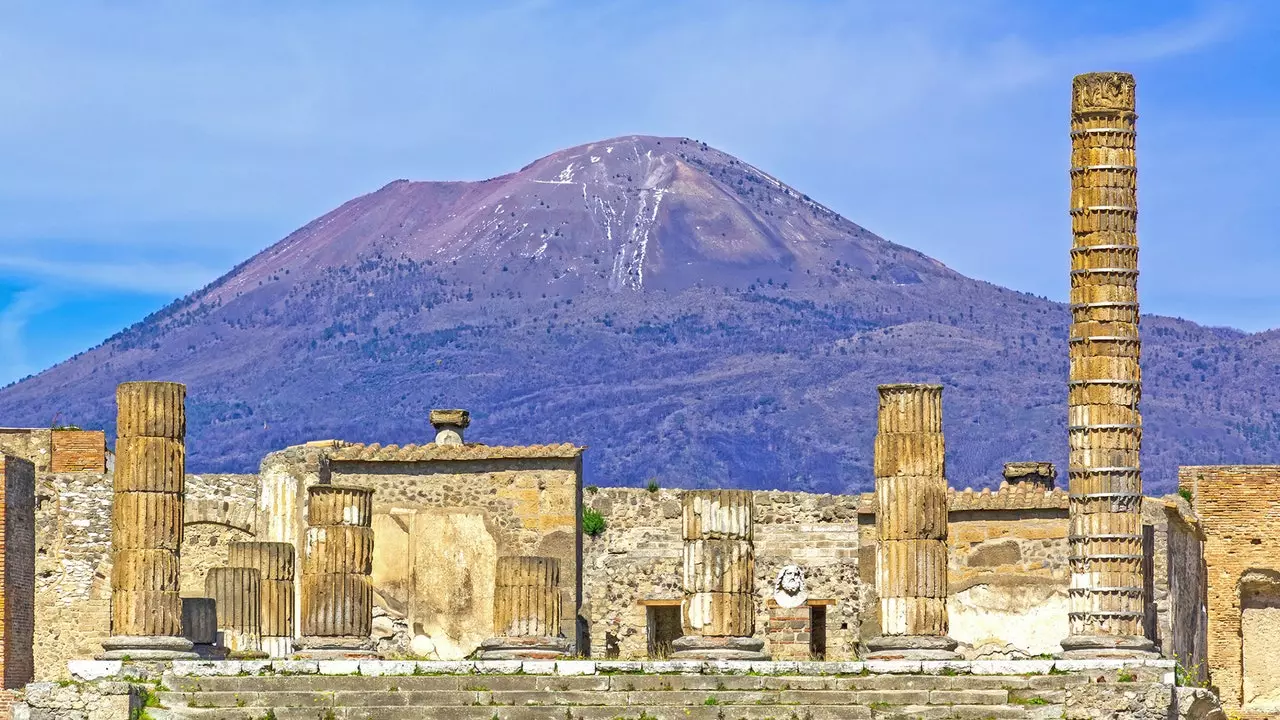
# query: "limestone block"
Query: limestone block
339,549
527,597
392,558
455,558
339,505
718,514
146,613
719,614
151,409
337,605
150,464
200,620
277,608
146,521
154,570
237,596
719,565
272,560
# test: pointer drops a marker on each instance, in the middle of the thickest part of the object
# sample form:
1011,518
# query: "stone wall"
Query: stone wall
73,569
33,444
17,570
1239,511
1008,572
1184,622
442,519
639,557
78,451
219,510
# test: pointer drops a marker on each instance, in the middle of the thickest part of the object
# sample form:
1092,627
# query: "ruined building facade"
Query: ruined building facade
451,550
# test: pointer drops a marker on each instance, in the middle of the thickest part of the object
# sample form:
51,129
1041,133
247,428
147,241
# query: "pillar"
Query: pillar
337,594
236,593
1104,427
275,566
146,523
526,611
449,425
911,525
719,609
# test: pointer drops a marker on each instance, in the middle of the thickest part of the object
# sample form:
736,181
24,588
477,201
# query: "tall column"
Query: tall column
274,563
719,609
236,593
526,611
337,594
1104,426
911,525
146,523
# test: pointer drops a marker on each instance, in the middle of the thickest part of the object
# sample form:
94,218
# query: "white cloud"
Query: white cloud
172,279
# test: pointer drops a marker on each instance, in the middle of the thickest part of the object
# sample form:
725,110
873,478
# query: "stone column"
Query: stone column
146,523
1104,426
237,596
449,425
337,594
526,611
911,525
719,608
274,563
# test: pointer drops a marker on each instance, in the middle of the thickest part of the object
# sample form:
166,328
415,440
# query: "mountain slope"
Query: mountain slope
683,313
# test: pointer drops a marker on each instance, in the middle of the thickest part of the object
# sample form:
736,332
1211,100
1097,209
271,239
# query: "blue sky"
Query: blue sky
146,148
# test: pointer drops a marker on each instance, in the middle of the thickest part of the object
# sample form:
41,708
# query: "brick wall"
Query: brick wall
78,450
1239,511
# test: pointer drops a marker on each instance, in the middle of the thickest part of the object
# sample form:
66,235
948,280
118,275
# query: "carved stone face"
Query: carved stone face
791,580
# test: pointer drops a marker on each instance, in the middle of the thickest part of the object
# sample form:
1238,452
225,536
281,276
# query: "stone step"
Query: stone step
653,712
394,696
622,683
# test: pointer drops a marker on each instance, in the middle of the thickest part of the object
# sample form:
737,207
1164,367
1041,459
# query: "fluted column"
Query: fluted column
719,611
526,611
1107,603
275,566
911,525
236,593
337,594
146,523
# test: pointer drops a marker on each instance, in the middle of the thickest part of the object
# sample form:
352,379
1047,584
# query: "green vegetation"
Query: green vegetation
1125,676
1186,494
653,485
592,522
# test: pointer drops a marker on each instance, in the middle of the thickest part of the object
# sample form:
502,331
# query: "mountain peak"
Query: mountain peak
683,313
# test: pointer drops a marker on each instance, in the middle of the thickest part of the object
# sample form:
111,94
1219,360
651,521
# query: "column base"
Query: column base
700,647
1087,647
277,646
912,647
524,648
336,648
146,647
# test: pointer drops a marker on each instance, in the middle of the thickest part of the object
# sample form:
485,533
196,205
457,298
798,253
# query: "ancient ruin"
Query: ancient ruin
455,579
146,522
911,525
1104,425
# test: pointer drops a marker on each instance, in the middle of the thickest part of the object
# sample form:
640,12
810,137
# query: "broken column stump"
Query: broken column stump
146,523
526,611
911,525
275,566
337,593
719,607
236,593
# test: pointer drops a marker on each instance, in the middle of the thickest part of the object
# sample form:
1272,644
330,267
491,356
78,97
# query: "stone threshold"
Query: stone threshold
89,670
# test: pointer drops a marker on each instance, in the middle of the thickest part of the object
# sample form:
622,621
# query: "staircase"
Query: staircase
620,696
